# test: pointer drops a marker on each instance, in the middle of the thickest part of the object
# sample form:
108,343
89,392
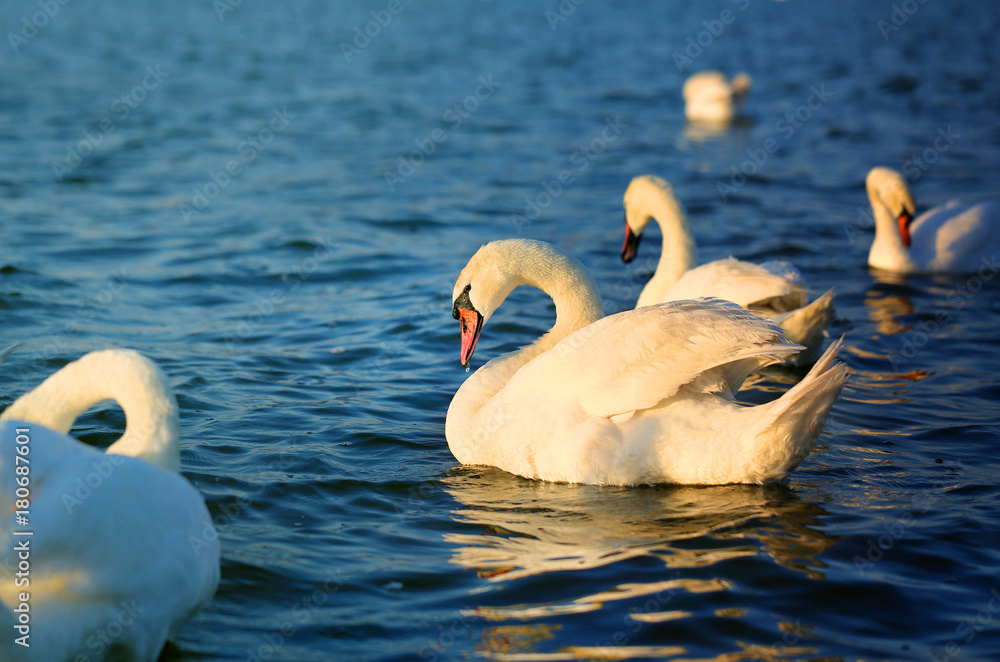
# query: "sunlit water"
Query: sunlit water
280,228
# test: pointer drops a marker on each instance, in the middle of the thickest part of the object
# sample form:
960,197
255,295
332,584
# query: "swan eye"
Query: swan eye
468,288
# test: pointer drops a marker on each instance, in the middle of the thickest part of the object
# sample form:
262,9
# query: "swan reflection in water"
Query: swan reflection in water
530,528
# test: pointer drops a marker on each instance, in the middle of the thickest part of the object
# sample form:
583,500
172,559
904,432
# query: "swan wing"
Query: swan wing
774,286
637,359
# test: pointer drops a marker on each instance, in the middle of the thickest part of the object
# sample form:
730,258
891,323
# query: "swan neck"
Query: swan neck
152,430
574,293
678,253
887,249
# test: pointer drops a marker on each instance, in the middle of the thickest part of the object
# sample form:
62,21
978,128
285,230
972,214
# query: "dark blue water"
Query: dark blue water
277,216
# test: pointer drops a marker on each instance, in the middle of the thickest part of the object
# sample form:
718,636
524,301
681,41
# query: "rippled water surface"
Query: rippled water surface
299,302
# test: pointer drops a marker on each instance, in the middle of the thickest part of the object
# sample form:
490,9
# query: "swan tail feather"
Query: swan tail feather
807,325
797,418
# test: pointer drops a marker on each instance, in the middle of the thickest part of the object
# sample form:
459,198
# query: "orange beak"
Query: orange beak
472,324
904,220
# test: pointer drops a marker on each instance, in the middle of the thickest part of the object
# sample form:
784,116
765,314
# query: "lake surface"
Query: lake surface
275,209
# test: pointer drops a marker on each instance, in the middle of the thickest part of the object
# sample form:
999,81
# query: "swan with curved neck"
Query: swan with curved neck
953,238
136,531
775,289
641,397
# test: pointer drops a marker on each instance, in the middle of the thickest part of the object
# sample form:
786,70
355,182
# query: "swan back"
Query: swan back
152,429
773,286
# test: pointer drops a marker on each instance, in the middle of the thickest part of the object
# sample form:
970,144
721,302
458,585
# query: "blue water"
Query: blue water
299,302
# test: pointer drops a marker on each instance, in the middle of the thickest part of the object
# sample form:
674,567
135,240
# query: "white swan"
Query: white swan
775,289
954,238
123,549
710,98
641,397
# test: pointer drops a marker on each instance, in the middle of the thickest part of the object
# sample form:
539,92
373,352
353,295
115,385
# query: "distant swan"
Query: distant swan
123,549
709,97
641,397
954,238
773,289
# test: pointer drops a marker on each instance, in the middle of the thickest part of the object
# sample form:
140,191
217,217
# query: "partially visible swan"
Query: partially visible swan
773,289
954,238
641,397
123,549
709,97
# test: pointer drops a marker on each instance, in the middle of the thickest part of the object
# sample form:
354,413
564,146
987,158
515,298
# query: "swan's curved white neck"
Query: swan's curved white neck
152,429
573,291
678,254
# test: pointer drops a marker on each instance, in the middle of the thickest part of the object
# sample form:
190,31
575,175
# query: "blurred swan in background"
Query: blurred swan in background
956,237
710,98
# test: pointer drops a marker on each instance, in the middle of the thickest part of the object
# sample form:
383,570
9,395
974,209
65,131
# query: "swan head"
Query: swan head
741,86
471,321
642,194
480,289
887,188
500,266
